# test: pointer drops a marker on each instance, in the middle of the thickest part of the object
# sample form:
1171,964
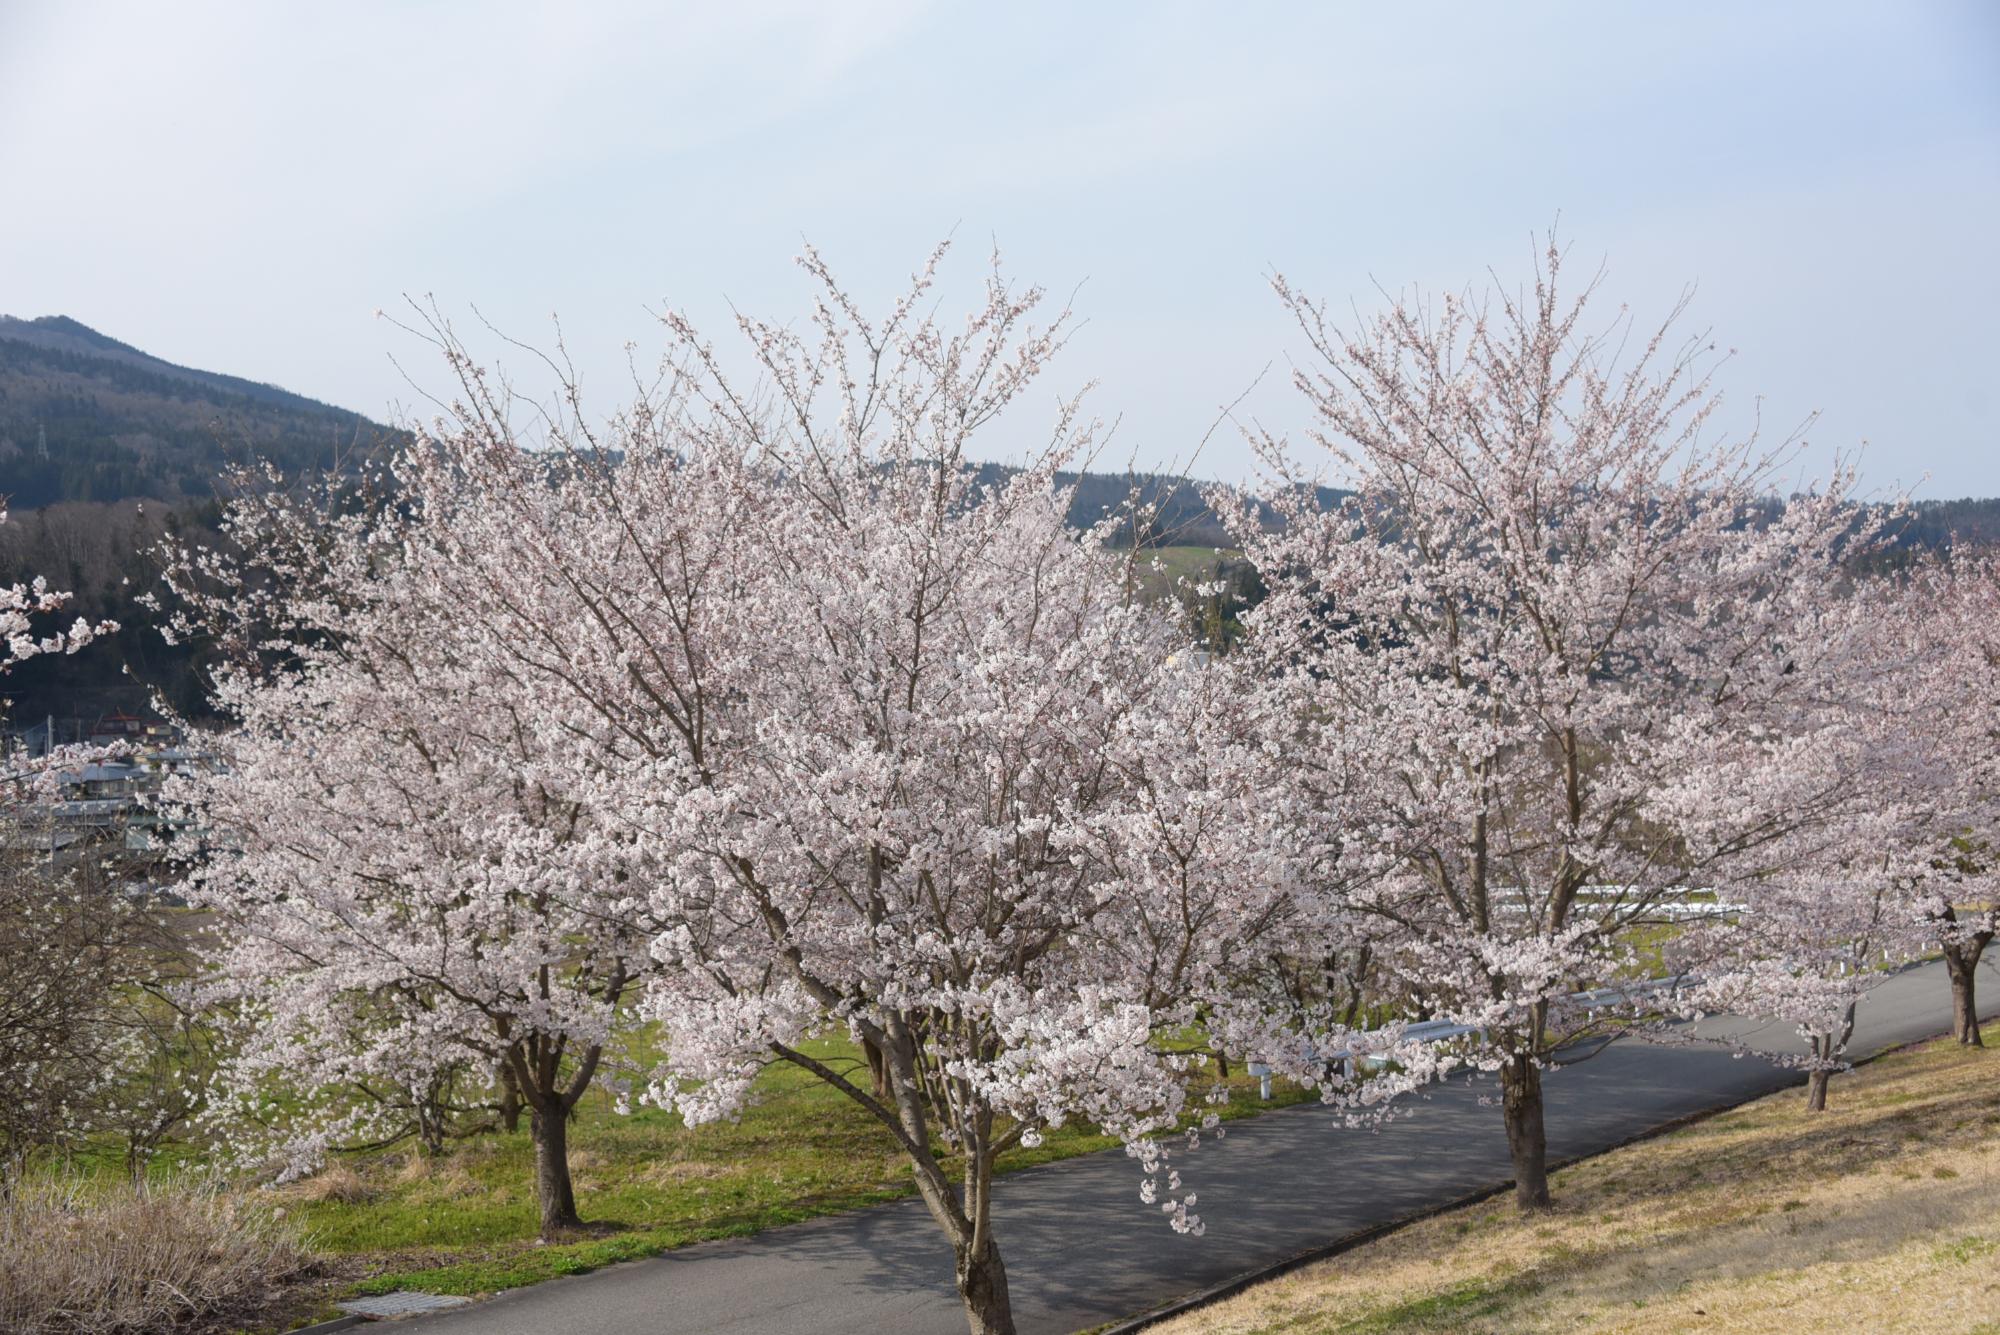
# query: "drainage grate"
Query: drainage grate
400,1304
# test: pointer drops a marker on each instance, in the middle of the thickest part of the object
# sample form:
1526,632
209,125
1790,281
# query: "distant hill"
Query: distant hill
90,426
1176,507
1938,523
84,417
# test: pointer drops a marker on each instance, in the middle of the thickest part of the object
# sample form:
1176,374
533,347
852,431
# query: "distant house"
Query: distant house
103,807
118,728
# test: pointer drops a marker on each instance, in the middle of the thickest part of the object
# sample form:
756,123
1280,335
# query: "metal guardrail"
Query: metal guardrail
1438,1031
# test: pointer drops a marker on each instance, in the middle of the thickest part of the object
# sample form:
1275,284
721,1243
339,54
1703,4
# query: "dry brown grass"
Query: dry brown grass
1880,1215
336,1182
416,1167
423,1178
112,1261
669,1171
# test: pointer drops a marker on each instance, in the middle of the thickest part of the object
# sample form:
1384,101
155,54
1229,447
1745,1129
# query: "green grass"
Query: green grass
465,1222
1649,941
1161,568
1449,1311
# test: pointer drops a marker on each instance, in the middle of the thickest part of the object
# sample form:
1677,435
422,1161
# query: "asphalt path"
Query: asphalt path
1081,1249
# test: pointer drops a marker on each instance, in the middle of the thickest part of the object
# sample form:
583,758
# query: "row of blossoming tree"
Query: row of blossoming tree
757,713
67,1030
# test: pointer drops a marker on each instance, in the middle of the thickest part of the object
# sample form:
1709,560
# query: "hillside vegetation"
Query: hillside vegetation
84,417
105,555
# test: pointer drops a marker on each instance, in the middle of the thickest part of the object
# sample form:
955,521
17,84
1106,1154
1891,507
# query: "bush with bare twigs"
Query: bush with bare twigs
119,1261
90,1040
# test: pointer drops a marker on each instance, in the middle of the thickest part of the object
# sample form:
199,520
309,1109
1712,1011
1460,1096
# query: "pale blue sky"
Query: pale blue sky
241,186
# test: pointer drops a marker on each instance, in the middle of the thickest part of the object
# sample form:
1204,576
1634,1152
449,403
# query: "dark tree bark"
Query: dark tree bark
1527,1137
982,1286
534,1072
1826,1050
878,1067
1961,961
510,1100
964,1209
550,1132
537,1064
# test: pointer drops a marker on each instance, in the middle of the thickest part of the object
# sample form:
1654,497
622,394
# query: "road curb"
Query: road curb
327,1327
1234,1285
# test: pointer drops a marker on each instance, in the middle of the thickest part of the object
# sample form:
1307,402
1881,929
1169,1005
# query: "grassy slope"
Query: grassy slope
465,1223
1881,1215
1162,568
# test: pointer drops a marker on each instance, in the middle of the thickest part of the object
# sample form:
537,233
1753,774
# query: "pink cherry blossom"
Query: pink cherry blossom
1539,653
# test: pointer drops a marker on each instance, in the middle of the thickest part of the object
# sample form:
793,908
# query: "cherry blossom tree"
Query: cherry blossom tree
1936,717
1964,916
1900,728
1821,914
1905,730
1549,599
403,896
71,947
78,955
898,755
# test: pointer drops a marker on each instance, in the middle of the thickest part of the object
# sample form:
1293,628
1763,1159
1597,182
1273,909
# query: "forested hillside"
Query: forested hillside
104,554
103,449
84,417
1935,523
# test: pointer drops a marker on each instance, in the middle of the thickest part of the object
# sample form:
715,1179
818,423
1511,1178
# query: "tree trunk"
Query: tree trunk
1527,1139
510,1100
982,1286
1960,961
1823,1050
550,1131
980,1277
433,1117
878,1067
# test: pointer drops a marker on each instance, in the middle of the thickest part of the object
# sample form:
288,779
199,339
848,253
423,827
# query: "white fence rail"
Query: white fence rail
1439,1031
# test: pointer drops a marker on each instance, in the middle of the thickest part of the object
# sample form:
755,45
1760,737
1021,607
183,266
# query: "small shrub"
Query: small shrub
414,1168
119,1261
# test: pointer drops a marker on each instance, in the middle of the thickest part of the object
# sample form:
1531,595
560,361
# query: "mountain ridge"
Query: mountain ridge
62,333
85,417
89,425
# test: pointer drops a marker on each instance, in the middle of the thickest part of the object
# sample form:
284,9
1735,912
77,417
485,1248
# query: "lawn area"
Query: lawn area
1880,1215
465,1222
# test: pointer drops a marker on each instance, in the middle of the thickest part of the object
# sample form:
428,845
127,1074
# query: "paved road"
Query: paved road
1081,1249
